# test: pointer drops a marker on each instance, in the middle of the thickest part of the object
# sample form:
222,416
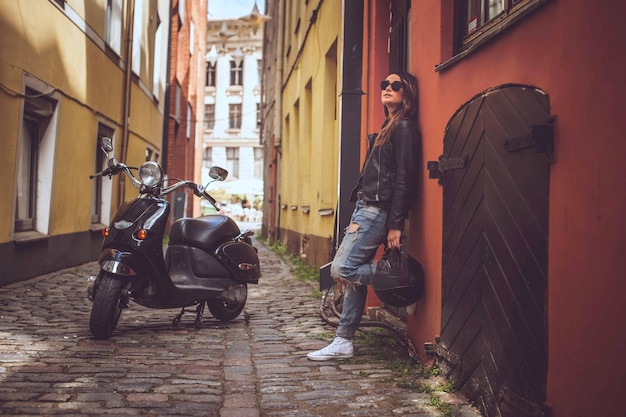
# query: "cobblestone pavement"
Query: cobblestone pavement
253,366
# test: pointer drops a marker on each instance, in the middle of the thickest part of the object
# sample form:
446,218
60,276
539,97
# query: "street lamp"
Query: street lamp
255,19
212,56
237,56
224,34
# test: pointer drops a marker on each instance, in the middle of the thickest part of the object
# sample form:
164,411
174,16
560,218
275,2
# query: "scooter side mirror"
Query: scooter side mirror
107,145
218,173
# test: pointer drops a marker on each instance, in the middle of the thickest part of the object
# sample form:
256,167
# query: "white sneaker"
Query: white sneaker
340,348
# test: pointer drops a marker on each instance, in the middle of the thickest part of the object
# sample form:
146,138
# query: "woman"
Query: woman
384,195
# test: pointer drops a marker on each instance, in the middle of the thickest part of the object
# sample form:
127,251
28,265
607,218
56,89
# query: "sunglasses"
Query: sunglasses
395,86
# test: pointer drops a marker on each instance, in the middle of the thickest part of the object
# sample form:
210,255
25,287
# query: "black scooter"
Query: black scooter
208,259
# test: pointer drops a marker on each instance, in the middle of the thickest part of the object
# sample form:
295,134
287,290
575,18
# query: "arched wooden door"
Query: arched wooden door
494,172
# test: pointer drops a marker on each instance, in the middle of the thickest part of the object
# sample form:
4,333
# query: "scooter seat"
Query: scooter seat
206,232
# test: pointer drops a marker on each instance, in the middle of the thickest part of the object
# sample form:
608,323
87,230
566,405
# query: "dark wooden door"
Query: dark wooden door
495,165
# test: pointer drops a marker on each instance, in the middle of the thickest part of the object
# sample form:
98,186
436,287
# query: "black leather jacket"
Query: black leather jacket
388,177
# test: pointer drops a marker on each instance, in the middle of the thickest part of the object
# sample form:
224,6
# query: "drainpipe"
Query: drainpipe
278,120
350,123
130,7
166,105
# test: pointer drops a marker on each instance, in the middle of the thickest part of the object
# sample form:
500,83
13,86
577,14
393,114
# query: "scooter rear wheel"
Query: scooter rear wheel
107,306
227,310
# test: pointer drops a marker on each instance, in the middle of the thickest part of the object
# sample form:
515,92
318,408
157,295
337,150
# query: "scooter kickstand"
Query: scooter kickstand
199,313
176,320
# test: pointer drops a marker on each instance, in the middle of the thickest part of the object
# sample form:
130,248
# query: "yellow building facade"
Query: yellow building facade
72,72
303,139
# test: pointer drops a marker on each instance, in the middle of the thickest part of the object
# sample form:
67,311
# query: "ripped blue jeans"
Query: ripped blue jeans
353,262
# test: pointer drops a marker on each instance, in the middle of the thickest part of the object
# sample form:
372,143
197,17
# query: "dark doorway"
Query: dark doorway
495,177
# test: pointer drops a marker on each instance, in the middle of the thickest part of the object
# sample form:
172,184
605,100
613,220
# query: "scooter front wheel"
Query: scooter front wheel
227,310
107,306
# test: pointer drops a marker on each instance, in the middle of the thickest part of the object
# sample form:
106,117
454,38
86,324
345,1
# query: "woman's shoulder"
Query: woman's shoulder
408,126
407,123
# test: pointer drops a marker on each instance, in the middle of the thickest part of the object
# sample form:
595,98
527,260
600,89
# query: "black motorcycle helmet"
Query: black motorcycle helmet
399,279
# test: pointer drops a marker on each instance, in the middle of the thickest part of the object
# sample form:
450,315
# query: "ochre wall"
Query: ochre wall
309,149
41,42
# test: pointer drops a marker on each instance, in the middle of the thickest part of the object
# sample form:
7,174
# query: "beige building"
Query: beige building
68,77
231,105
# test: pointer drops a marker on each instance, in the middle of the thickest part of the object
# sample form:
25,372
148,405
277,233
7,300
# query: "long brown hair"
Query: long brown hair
409,108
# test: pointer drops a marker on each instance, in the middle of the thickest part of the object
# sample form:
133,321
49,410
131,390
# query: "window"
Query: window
209,116
189,119
232,161
181,10
258,162
152,155
236,73
177,99
207,158
113,25
98,193
209,80
35,158
158,47
259,67
192,37
234,116
477,18
28,155
259,120
138,27
479,12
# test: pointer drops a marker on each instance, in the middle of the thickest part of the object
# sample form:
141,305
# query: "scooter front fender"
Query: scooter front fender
129,265
117,262
117,268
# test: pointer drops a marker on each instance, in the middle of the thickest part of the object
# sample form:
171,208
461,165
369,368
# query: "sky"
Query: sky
233,9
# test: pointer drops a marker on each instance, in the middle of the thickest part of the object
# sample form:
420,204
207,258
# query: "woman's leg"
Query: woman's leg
353,262
366,232
354,298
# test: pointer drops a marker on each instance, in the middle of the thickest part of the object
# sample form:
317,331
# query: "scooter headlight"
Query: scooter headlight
150,174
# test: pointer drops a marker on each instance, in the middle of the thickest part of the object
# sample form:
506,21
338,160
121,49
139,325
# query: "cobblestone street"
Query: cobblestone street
253,366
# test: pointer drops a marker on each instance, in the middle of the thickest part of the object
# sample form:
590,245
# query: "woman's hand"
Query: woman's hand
393,238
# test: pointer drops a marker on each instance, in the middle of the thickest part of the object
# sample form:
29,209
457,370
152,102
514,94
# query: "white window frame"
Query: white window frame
137,36
158,57
189,114
45,161
181,10
113,25
192,36
235,116
106,190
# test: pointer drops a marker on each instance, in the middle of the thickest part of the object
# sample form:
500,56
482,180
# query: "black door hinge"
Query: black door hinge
437,168
541,137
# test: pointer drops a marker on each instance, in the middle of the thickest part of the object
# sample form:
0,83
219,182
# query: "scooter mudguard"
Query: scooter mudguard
241,260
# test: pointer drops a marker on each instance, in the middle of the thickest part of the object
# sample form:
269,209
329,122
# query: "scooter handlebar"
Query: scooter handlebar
116,169
106,172
200,191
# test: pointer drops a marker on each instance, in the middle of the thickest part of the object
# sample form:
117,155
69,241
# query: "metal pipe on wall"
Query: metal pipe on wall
128,57
350,122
